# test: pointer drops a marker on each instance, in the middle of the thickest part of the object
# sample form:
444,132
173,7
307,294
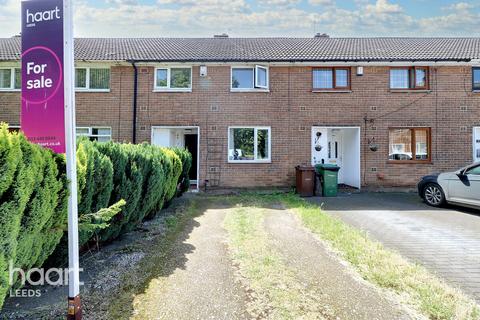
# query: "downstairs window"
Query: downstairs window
249,144
409,144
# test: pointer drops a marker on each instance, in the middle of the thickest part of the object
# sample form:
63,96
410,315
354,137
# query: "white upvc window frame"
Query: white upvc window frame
255,147
87,80
168,87
256,86
90,132
12,80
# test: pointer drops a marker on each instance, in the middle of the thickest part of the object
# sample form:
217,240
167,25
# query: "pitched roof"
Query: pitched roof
265,49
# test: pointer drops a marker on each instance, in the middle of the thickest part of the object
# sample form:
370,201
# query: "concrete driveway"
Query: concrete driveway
446,241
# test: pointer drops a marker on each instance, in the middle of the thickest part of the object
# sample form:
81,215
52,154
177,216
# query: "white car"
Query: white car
461,187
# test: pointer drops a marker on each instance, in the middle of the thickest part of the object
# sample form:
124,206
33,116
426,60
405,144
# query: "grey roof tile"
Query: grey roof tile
265,49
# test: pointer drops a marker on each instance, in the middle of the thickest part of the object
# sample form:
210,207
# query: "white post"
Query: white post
74,310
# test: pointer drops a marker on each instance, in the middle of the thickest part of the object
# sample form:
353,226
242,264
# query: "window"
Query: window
173,79
476,78
249,144
331,78
409,144
412,78
13,129
10,79
101,134
92,79
249,78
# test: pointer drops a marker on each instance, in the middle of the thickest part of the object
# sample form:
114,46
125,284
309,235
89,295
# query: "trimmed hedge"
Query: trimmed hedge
119,185
32,204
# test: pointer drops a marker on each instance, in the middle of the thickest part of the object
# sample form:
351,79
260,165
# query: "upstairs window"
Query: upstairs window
331,79
476,78
92,79
100,134
249,144
173,79
249,78
409,144
10,79
413,78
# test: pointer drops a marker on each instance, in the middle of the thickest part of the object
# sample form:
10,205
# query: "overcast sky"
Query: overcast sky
244,18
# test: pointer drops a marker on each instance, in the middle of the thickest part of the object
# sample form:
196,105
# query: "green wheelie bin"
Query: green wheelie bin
329,178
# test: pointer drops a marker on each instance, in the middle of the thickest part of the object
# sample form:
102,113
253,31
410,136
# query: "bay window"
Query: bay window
409,78
409,144
249,144
173,79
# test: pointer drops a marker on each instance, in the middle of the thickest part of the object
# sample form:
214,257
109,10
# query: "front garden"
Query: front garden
119,186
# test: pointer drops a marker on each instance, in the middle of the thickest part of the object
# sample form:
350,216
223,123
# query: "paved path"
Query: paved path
445,241
336,285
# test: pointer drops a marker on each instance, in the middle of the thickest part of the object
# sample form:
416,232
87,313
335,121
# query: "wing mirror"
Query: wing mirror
462,173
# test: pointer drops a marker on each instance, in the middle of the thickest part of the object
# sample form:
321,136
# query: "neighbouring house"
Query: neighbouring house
386,110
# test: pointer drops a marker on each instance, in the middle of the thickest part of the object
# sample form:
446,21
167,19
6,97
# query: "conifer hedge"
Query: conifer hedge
119,185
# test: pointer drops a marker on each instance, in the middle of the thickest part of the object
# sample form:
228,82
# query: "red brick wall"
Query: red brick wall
290,109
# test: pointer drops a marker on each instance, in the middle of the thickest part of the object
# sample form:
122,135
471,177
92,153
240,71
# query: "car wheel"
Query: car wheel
433,195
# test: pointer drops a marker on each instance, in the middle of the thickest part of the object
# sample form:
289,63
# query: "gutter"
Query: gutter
135,94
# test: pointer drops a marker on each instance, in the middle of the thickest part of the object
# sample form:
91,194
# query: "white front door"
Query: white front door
335,151
476,144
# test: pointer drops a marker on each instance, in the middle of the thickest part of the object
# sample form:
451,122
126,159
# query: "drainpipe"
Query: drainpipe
135,92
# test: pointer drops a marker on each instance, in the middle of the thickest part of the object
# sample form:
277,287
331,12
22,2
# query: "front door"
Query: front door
191,144
334,150
476,144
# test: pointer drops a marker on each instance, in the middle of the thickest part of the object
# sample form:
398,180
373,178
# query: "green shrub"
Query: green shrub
175,166
186,159
31,204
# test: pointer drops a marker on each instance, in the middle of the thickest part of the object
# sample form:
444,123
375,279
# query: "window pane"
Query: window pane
476,79
341,78
161,78
18,78
102,131
420,77
80,78
322,79
261,77
99,78
82,131
474,171
104,139
241,144
421,144
399,78
262,144
5,78
180,77
400,145
242,78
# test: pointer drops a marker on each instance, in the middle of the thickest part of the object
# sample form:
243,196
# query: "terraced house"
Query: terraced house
386,110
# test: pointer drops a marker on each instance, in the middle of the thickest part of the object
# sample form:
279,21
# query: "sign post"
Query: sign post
48,105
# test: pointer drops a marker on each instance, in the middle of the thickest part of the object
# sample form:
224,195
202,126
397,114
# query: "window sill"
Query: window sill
250,161
93,90
173,90
250,90
427,162
410,91
475,91
331,91
10,90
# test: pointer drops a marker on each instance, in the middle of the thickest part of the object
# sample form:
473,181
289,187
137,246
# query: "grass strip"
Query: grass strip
384,268
275,292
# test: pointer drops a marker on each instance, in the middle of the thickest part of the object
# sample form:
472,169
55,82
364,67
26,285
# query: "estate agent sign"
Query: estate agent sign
43,103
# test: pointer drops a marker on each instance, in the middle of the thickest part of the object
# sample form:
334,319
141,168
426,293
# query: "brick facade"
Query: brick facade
450,109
